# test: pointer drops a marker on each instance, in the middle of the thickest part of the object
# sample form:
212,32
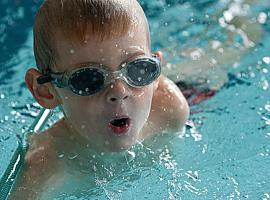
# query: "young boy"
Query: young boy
94,62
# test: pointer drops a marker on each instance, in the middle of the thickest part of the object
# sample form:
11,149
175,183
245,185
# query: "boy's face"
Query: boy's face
90,116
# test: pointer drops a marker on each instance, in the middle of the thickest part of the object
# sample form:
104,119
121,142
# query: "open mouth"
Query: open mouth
120,122
120,125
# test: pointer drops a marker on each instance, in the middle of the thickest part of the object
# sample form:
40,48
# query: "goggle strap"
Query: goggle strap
44,79
156,57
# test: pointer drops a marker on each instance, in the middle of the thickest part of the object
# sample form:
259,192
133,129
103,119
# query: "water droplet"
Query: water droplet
13,112
73,156
262,17
61,156
252,75
222,22
196,174
72,51
142,71
94,168
185,33
196,55
264,70
130,156
13,104
265,84
267,107
228,16
266,60
131,34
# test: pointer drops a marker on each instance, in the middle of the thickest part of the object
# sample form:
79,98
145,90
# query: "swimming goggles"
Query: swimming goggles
93,78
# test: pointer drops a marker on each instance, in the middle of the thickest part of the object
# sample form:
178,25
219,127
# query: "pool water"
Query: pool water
224,153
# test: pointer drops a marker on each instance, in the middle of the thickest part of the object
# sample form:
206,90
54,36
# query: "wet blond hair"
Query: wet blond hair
71,19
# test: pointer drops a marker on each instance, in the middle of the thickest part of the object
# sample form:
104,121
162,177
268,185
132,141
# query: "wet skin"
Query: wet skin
157,108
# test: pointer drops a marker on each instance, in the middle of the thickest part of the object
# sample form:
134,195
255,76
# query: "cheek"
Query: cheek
143,93
143,99
82,114
77,107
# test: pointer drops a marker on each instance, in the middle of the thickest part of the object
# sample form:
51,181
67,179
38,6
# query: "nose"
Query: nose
118,91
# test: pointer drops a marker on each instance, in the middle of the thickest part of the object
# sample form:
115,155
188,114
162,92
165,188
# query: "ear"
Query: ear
159,54
45,94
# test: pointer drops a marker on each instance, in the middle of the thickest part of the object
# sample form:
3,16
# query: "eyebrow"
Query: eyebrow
127,56
130,56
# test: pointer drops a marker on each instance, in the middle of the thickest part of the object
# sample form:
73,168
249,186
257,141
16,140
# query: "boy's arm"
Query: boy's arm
169,111
38,167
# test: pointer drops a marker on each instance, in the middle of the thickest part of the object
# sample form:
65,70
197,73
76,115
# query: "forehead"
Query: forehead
110,52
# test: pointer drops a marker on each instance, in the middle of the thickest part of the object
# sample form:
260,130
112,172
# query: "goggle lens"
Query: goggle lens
86,81
142,73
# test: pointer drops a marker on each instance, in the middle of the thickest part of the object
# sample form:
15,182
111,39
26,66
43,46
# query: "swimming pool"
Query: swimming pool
224,153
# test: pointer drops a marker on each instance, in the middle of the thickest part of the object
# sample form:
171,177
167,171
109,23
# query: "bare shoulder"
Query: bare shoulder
170,109
39,164
41,149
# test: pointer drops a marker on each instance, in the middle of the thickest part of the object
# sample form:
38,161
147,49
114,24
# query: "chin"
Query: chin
119,147
121,143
